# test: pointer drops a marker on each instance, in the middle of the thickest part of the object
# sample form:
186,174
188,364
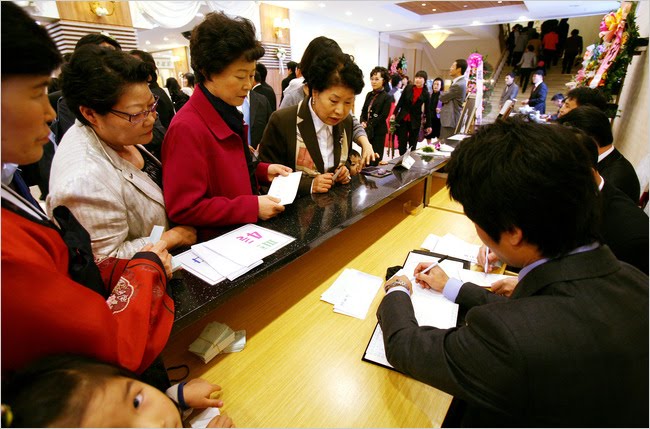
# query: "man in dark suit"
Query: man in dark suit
258,116
291,66
537,99
264,88
612,165
452,100
570,346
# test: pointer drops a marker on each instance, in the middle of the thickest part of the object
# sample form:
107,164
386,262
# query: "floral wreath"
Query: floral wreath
281,53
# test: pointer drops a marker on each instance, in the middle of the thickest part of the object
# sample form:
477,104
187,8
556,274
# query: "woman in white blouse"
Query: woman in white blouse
101,170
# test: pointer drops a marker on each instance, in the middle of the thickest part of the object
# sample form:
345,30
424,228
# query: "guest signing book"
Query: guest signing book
431,308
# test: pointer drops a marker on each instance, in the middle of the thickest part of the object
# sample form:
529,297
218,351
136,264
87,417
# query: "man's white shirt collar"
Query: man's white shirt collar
604,154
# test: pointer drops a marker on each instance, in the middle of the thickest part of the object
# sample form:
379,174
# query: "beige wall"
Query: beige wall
631,128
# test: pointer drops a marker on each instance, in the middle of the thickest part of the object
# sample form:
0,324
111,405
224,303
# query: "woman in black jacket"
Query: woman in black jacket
412,105
434,107
179,98
375,111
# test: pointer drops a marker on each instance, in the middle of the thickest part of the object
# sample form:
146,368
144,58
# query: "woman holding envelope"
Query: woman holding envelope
315,136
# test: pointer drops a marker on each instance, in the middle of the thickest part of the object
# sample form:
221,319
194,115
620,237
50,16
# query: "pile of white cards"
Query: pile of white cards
232,254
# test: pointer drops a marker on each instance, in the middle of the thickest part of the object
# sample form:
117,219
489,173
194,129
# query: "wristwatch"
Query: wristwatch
396,282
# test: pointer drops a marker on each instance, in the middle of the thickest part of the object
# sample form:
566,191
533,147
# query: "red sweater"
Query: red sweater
45,312
205,177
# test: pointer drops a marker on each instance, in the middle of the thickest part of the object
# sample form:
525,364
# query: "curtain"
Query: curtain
170,14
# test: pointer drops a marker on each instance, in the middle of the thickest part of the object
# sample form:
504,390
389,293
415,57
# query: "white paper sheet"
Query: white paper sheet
479,278
204,417
285,187
248,244
352,293
196,266
224,266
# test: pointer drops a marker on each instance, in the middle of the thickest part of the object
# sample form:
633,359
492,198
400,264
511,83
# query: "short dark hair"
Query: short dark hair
96,77
219,41
261,68
442,83
501,176
191,81
539,72
97,39
584,95
511,74
531,48
422,74
54,391
330,70
558,96
258,76
26,46
592,121
575,32
462,64
319,45
147,58
292,65
395,79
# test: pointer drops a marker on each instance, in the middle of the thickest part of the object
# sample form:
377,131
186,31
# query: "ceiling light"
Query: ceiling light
424,4
370,19
435,38
522,18
348,13
464,5
146,42
435,27
199,15
476,23
500,1
165,38
321,4
387,25
433,10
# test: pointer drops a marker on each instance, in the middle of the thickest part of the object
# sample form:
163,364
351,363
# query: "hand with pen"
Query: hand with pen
430,276
487,258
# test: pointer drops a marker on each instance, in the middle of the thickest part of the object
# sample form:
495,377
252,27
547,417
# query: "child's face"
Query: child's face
125,402
355,165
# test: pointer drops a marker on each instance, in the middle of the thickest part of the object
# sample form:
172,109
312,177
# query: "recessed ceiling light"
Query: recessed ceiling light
500,1
433,10
435,27
464,5
321,4
146,42
476,22
165,38
424,4
199,15
370,19
387,25
348,13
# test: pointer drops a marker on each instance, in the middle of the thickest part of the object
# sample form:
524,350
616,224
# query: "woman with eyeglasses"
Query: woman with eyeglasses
101,170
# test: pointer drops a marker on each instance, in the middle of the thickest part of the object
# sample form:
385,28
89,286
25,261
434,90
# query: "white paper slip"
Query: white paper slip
479,278
196,266
248,244
220,263
156,233
285,187
376,351
204,417
453,246
457,137
430,242
352,293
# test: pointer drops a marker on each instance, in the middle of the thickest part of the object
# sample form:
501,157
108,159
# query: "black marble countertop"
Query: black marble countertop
312,220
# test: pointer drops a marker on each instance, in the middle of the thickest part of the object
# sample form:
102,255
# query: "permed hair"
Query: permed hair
219,41
382,72
26,46
96,77
501,177
319,46
329,70
97,39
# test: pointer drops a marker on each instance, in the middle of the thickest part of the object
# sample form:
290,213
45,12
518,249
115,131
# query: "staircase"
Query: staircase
554,79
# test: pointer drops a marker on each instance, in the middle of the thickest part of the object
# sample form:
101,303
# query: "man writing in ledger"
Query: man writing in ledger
570,346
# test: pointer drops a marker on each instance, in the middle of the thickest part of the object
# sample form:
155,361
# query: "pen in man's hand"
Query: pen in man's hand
427,269
486,265
336,174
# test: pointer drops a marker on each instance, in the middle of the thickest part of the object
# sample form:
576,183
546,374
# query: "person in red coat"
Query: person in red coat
55,297
210,179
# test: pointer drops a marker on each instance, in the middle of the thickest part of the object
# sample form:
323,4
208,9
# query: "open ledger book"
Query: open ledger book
431,308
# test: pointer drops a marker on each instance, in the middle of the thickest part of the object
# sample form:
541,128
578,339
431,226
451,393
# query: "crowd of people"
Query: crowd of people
86,305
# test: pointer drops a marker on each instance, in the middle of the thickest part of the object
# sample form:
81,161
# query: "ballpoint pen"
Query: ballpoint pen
426,270
486,264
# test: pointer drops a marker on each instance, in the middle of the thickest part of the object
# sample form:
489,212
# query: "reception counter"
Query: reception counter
311,220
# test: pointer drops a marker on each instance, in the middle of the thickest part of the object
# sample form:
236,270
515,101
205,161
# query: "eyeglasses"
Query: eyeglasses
136,118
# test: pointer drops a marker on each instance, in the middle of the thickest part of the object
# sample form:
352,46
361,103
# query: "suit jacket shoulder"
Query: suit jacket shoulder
618,171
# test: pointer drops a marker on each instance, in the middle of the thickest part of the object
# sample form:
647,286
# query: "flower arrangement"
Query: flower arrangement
280,53
474,67
605,64
397,65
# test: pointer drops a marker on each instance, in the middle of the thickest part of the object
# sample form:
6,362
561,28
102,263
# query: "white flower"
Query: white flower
280,53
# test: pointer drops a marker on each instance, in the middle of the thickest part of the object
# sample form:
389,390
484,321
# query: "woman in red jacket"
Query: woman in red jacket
210,179
55,298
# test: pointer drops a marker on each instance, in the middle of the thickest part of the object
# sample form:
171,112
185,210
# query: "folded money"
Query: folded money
213,339
239,343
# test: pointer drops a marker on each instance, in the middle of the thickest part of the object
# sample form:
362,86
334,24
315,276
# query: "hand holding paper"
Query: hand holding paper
285,187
